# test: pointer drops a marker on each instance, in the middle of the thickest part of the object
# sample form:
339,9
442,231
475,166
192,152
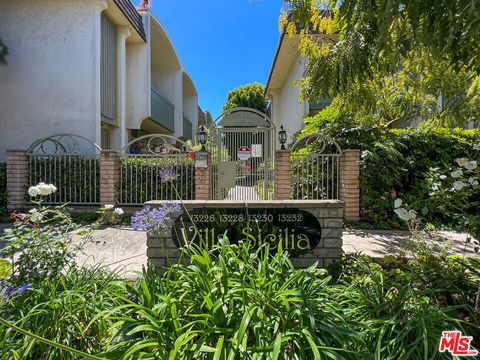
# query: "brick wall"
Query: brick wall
283,183
202,183
350,183
109,176
162,251
17,178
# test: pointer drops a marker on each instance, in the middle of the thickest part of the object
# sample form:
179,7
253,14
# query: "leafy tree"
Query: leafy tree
421,88
3,53
251,96
378,34
385,74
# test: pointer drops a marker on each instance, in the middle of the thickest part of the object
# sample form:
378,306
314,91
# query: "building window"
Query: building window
108,70
105,137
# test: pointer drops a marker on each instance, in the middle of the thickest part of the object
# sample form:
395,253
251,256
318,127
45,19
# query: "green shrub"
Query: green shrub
85,217
404,304
237,304
232,302
41,250
77,177
140,179
395,163
5,268
62,309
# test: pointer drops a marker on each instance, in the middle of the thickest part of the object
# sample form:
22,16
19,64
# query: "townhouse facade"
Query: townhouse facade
101,69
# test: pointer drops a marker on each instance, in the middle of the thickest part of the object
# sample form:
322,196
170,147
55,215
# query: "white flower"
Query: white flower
435,186
41,189
33,191
412,214
401,212
33,211
471,165
459,185
461,161
456,174
109,207
443,177
476,147
118,211
472,181
405,214
36,217
398,203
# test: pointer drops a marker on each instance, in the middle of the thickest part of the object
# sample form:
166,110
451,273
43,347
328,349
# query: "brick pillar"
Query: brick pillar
350,184
109,176
283,182
17,178
202,183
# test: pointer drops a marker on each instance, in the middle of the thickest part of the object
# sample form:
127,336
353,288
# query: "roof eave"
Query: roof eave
277,52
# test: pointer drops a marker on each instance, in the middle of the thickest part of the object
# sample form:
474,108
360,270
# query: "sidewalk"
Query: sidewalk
378,243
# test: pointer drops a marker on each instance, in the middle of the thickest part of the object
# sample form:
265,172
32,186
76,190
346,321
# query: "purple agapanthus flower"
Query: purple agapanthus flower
175,207
154,218
168,174
6,293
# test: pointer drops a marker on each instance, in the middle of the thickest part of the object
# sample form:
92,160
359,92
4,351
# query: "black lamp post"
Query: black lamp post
282,135
202,136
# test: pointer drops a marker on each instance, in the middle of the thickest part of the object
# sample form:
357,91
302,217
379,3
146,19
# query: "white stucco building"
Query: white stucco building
282,88
101,69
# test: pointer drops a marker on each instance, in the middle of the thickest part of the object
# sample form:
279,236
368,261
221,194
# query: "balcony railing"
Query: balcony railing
162,111
187,128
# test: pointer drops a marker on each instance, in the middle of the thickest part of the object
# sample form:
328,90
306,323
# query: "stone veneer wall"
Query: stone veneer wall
162,252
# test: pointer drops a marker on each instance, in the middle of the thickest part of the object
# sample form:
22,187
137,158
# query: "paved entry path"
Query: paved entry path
378,243
243,193
124,250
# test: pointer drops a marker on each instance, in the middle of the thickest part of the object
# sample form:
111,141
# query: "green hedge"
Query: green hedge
3,189
76,177
396,163
140,179
314,177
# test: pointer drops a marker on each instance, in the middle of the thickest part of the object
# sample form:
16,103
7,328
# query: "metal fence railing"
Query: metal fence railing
77,177
315,176
140,178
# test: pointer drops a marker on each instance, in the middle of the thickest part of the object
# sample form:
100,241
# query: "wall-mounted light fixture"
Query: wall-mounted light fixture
282,136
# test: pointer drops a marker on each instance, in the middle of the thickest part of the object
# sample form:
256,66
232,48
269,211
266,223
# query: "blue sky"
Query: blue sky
222,43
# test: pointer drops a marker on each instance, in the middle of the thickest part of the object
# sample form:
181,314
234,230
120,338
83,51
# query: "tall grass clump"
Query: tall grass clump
61,309
401,306
234,303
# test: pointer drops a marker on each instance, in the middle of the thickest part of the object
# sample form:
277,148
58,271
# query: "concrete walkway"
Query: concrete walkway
378,243
123,249
243,193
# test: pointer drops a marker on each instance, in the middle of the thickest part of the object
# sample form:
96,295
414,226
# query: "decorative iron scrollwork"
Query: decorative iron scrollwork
156,144
63,144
